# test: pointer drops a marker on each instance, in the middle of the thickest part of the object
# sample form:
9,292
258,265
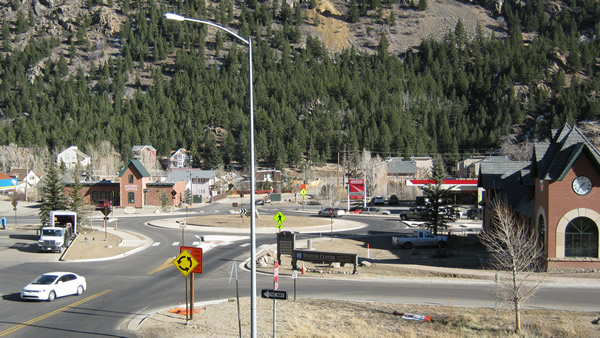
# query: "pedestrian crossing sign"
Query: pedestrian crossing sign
279,218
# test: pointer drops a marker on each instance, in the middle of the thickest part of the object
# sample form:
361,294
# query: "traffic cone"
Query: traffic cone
303,269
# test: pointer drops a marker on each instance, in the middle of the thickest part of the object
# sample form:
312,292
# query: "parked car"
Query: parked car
375,211
393,200
332,212
378,200
415,213
54,284
419,238
101,204
474,213
449,212
356,209
263,201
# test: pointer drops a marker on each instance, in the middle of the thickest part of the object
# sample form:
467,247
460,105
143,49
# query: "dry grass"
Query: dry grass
330,318
91,245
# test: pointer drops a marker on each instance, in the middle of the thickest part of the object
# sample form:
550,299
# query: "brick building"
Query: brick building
134,189
558,193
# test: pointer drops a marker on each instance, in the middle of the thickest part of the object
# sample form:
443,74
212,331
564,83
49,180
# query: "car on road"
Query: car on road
474,213
378,200
415,213
54,284
101,204
375,211
356,209
332,212
393,200
263,201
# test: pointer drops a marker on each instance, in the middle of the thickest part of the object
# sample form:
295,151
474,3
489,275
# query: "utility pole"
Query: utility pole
338,172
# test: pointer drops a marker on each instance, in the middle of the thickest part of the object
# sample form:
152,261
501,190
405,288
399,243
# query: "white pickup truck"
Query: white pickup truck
419,238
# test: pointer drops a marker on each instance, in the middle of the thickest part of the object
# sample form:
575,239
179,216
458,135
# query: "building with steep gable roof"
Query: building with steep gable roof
71,157
137,190
558,193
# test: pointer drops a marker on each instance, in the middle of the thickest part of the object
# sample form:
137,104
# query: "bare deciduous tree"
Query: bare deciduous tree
370,167
329,194
15,157
513,247
516,151
105,160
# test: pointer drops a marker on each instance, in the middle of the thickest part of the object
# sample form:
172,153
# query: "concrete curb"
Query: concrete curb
147,244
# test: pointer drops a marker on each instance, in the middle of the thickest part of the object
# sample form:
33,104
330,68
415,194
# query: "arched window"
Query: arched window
130,178
542,232
581,238
131,197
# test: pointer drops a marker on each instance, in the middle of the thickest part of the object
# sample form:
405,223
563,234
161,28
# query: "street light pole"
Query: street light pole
177,17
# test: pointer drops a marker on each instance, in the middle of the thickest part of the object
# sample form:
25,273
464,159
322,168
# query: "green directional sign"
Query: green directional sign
279,218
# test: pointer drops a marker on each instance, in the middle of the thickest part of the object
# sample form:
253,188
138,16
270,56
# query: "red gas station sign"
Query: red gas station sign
357,188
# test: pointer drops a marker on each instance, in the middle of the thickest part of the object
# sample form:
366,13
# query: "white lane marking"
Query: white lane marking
175,243
208,238
244,245
156,244
196,243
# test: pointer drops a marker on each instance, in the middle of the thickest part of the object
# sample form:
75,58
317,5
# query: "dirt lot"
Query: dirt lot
330,318
92,245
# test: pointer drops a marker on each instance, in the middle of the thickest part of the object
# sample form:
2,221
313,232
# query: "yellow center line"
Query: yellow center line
163,266
50,314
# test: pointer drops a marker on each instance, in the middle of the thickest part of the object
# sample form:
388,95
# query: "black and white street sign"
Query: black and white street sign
242,211
273,294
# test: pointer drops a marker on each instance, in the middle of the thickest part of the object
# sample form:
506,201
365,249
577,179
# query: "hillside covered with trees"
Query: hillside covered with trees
117,70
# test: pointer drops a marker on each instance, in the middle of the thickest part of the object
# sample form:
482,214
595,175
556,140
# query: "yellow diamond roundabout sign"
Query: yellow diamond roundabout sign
185,263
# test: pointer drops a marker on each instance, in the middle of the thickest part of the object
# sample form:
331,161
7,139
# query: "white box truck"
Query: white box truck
56,236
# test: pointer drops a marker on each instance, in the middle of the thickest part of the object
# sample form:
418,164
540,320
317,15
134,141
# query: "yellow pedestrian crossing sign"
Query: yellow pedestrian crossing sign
185,262
279,218
303,192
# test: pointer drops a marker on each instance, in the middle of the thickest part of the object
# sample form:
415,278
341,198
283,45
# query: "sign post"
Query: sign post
105,211
188,262
303,192
275,287
295,277
14,204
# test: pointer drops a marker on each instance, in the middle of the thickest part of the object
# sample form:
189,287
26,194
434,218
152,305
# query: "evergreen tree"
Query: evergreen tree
54,198
436,197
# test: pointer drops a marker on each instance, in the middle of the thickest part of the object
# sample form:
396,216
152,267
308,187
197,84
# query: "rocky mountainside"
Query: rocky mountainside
64,20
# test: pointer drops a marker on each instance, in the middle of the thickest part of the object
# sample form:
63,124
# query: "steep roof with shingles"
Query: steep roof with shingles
138,166
185,174
554,160
400,166
511,178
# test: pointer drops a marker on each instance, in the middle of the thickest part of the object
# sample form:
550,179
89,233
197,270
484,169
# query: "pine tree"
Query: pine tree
54,198
436,197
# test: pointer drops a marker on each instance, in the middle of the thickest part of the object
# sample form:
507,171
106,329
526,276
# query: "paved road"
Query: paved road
135,286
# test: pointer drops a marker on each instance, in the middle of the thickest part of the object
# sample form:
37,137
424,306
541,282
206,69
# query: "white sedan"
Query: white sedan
54,284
